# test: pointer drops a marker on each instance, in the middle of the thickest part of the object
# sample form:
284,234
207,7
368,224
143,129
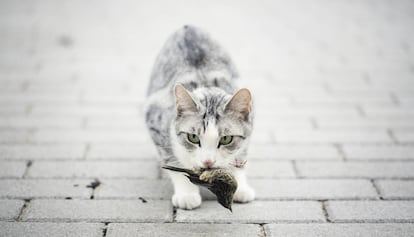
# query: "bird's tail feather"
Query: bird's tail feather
177,169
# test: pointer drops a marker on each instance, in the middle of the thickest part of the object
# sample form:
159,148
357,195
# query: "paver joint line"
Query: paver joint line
332,148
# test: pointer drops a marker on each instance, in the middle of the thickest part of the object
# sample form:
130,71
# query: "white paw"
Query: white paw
186,200
244,194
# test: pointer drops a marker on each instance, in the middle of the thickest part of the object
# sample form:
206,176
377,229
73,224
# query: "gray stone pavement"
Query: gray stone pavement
333,148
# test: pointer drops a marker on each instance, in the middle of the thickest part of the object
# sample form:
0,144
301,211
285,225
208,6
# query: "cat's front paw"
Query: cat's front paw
244,194
186,200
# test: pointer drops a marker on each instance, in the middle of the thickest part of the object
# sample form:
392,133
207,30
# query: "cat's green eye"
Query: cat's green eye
225,140
193,138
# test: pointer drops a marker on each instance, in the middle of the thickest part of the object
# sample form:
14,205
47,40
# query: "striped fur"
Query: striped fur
191,58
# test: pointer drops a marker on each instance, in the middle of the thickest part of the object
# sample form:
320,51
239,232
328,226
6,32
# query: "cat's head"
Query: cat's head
211,128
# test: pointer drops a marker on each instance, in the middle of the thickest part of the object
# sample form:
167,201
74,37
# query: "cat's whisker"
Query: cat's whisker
238,164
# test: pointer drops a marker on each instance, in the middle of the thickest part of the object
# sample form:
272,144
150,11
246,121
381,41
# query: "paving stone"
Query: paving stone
180,229
19,136
356,169
404,136
41,122
339,98
406,102
261,136
303,111
34,152
388,112
269,169
125,122
363,123
44,188
13,110
333,136
313,189
99,210
342,102
294,152
122,151
12,169
396,189
371,211
93,169
390,152
368,91
98,135
340,230
10,209
39,98
254,212
94,111
112,99
18,229
270,124
127,189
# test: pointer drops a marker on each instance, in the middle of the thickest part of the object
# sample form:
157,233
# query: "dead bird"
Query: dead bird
219,181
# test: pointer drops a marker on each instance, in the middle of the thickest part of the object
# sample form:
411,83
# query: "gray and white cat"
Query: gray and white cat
195,116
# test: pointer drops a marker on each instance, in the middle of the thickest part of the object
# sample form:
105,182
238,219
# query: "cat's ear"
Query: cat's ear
241,103
183,100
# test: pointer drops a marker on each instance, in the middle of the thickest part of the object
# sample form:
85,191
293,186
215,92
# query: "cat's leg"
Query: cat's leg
244,192
186,195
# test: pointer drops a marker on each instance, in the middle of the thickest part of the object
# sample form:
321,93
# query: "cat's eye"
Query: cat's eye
193,138
225,140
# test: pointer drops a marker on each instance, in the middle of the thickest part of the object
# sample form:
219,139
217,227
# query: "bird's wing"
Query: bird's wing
197,181
191,175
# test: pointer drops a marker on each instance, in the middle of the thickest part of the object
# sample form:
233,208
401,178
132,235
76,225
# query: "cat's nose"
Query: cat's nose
209,163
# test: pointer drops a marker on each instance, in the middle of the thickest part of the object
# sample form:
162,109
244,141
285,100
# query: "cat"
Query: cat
195,115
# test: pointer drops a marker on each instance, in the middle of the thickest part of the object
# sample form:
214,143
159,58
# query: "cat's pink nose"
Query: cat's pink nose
209,163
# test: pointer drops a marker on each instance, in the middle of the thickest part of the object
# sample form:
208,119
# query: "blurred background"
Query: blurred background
311,64
316,63
332,81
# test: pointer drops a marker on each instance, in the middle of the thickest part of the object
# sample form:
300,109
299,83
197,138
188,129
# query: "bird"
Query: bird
220,181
